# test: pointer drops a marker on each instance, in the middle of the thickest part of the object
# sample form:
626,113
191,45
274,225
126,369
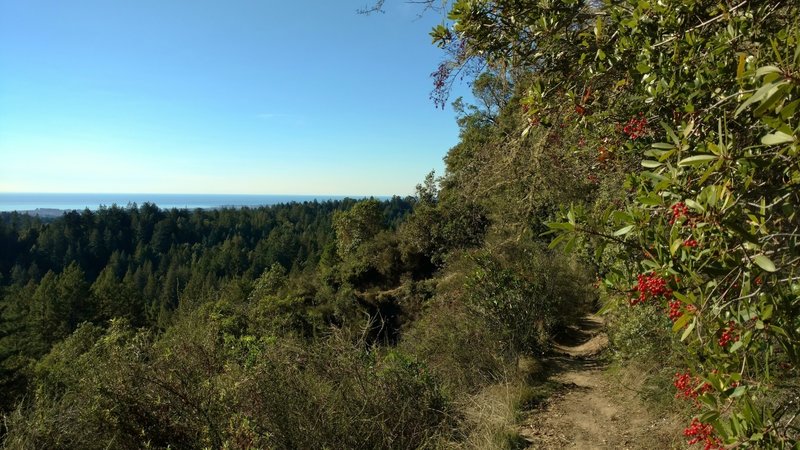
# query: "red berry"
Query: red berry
650,285
702,433
727,335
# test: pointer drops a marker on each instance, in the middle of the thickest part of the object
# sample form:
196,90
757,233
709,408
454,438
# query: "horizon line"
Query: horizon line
198,193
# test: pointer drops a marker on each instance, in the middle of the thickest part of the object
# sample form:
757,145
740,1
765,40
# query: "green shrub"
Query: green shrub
458,346
198,387
526,295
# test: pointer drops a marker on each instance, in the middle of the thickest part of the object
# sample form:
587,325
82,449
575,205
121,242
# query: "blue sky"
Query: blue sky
238,96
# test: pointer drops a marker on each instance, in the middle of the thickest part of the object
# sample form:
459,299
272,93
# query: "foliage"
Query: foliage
369,324
437,229
708,223
356,226
198,387
438,338
520,299
142,263
335,325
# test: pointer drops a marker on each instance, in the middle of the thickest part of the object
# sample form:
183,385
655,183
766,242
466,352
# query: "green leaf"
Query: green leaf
663,146
689,128
651,264
621,216
554,243
789,110
682,298
671,134
778,330
688,330
651,200
739,391
711,401
676,244
761,71
696,160
765,263
653,176
694,205
570,245
777,138
650,164
773,99
624,230
766,313
681,322
759,95
561,226
598,27
736,426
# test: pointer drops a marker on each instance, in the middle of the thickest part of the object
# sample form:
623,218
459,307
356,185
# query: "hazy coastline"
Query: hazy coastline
55,204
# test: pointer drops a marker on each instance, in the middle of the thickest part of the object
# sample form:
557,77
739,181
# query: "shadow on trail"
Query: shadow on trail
577,349
579,334
556,365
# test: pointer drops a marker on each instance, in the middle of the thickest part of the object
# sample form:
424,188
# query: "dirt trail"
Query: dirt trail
589,410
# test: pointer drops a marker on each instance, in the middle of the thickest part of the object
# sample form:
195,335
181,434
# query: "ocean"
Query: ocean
34,201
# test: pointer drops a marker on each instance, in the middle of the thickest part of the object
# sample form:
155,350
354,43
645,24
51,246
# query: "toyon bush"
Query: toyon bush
692,107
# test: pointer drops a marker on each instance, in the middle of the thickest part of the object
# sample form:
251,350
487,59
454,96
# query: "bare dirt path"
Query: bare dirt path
590,410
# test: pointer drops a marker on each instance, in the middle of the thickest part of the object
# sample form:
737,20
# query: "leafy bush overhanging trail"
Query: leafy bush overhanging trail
696,103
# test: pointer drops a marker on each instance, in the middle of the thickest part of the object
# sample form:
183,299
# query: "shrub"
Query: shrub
522,299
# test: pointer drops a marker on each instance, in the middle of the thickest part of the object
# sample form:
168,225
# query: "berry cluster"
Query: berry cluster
702,433
636,127
649,286
679,210
686,385
690,243
727,335
675,309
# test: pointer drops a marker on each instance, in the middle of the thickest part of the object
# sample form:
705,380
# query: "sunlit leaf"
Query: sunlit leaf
696,160
777,138
765,263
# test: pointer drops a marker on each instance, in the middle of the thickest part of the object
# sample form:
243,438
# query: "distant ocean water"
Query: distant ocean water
33,201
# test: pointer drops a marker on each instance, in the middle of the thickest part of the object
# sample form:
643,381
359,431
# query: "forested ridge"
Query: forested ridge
635,158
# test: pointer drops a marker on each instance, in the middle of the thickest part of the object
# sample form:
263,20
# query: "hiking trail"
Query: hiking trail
589,410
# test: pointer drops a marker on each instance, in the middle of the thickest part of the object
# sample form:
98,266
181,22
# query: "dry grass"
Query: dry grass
667,417
492,416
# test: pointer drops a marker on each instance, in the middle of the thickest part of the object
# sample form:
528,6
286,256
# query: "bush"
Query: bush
522,299
197,387
458,346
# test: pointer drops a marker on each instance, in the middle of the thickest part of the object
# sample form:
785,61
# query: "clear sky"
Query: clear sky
211,96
